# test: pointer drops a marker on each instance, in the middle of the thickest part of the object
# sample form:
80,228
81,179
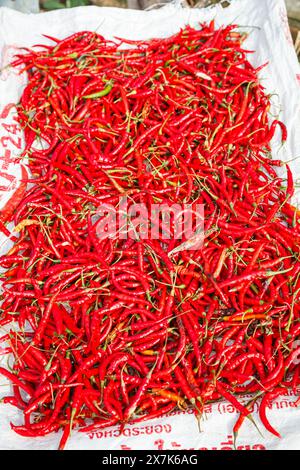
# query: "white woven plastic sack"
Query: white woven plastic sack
266,20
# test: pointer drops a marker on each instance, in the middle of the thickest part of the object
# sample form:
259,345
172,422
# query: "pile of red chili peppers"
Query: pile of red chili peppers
112,331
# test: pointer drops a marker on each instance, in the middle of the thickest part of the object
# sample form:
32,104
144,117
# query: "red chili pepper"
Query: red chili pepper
125,330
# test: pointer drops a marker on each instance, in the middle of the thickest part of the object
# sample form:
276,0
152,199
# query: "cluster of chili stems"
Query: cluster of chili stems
112,331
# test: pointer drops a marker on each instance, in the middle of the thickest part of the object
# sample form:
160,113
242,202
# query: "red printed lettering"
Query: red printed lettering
10,128
6,110
11,179
16,143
